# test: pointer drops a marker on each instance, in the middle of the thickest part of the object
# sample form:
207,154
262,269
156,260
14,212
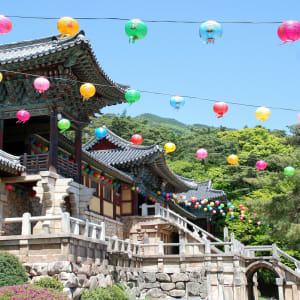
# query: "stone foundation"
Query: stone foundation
77,277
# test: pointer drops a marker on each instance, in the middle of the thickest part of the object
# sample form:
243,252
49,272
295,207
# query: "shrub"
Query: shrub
50,283
111,293
25,292
11,270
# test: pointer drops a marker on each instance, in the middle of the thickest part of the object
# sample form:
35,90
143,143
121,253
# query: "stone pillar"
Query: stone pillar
255,287
279,283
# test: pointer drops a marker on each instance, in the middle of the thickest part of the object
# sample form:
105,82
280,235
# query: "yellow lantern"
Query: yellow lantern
87,90
233,159
158,192
1,77
45,149
212,204
205,201
170,147
262,113
205,209
250,221
67,26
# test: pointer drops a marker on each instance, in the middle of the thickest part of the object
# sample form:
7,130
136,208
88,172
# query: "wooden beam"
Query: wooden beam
1,133
53,142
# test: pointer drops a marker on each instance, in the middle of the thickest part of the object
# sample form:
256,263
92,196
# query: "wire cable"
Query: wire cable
145,20
154,92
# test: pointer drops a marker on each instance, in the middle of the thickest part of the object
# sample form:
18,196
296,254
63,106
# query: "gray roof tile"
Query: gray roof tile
10,161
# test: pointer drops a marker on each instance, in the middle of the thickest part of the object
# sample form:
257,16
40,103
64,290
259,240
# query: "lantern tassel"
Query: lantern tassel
219,116
285,42
63,130
83,99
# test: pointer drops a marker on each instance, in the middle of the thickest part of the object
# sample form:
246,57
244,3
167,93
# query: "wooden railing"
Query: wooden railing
35,163
40,162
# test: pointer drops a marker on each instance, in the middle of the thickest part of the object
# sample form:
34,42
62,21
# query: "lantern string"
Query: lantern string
151,92
145,20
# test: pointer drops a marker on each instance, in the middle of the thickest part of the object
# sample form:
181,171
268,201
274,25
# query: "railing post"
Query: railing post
26,225
207,247
160,248
86,229
116,246
274,252
144,210
182,248
226,239
25,160
157,209
232,240
76,228
65,223
102,233
94,232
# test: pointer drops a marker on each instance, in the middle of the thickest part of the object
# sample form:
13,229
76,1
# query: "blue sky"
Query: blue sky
246,65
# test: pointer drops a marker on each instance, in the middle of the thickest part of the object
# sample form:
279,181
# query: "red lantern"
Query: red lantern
38,144
193,199
95,174
220,108
125,187
136,139
71,160
9,187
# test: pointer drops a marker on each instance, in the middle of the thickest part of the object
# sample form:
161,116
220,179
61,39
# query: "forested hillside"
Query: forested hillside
270,197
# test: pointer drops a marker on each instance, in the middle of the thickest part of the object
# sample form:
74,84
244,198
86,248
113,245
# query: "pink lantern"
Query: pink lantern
41,84
9,187
299,117
258,223
5,25
201,153
214,212
261,165
217,202
23,116
289,31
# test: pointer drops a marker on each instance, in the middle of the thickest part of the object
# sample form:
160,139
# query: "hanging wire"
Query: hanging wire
153,92
145,20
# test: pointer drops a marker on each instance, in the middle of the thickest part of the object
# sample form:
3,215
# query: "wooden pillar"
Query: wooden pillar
208,225
53,142
78,151
1,133
134,197
101,199
114,204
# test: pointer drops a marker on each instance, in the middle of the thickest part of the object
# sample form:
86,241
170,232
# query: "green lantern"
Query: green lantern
63,125
222,205
86,169
223,214
136,29
289,171
132,96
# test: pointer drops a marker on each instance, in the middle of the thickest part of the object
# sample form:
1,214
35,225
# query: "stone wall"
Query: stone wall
77,277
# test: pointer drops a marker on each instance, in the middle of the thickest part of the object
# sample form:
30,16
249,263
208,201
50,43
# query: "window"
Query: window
94,185
107,194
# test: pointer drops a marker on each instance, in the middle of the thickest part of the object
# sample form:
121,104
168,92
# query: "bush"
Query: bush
111,293
24,292
11,270
50,283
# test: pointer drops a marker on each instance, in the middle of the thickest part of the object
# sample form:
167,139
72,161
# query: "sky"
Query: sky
246,65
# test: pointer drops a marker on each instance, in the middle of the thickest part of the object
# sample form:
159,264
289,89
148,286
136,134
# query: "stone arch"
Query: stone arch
250,272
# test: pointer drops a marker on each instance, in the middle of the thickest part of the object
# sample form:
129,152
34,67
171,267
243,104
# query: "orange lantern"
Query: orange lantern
87,90
233,159
67,26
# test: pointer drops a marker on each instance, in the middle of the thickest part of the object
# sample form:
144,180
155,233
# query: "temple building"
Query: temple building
107,210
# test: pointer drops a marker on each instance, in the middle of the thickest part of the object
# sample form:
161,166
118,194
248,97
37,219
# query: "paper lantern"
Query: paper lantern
209,31
193,199
289,31
100,132
232,159
1,76
9,187
136,139
132,96
201,153
261,165
87,90
41,84
63,125
177,101
289,171
220,108
23,116
67,26
262,113
170,147
136,29
5,25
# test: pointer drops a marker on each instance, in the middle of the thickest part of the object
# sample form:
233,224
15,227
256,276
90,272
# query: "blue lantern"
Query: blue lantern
210,30
232,216
100,132
177,102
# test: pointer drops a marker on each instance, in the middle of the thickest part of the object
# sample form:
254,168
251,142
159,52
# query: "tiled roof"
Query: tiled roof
22,52
130,153
10,163
204,191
